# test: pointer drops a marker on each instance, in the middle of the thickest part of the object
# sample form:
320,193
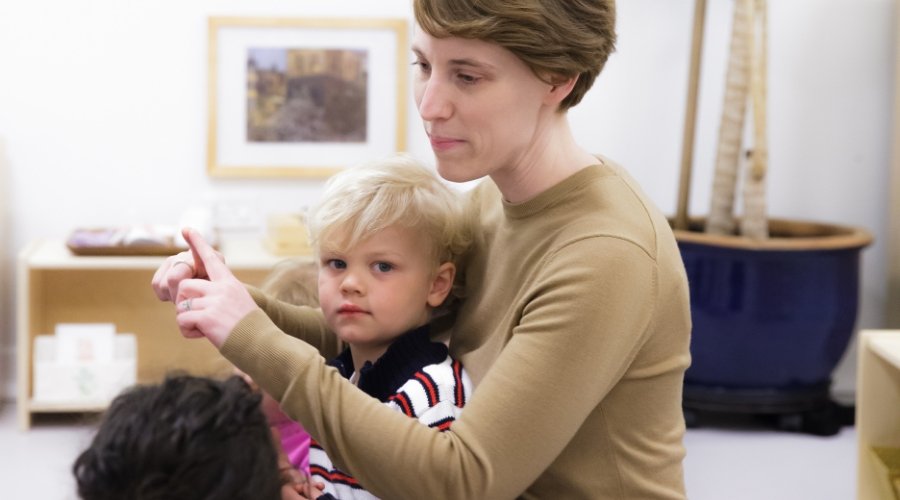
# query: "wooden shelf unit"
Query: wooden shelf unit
893,297
55,286
877,406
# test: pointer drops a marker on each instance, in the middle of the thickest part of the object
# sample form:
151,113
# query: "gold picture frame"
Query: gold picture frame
304,97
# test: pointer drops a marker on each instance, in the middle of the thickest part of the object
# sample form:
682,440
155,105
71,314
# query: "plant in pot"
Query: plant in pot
773,301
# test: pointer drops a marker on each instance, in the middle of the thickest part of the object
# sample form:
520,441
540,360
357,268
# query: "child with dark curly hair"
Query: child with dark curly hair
187,438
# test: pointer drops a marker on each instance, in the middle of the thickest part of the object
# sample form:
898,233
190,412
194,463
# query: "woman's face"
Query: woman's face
484,110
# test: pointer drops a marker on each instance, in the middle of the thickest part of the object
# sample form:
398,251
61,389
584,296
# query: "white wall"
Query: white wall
7,353
103,111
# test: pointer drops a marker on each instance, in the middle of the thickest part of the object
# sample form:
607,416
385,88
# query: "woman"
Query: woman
575,328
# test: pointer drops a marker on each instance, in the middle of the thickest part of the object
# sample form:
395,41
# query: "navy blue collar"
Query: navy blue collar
407,355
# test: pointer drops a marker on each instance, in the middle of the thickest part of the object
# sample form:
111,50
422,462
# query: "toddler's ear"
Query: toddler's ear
441,284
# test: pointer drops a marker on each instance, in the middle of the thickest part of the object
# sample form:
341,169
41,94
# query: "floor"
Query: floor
733,460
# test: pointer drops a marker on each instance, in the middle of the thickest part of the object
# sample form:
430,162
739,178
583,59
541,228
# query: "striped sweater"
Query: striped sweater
416,377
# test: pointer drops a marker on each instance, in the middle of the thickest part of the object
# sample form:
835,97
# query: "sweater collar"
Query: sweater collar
403,358
554,194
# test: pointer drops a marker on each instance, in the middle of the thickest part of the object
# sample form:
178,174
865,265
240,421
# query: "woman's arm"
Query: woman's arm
576,338
303,322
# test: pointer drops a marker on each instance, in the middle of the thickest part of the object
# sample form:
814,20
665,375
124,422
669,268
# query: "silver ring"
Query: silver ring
186,305
193,271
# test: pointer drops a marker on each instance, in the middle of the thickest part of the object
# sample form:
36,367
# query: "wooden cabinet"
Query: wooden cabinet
877,407
55,286
893,297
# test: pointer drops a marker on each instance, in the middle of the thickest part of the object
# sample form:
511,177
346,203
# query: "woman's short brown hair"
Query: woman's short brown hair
555,38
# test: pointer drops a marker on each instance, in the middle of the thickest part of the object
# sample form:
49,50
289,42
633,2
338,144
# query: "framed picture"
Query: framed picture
304,97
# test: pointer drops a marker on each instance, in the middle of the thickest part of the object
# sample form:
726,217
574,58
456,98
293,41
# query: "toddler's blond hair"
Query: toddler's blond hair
394,191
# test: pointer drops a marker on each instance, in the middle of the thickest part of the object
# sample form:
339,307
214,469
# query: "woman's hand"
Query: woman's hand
209,307
177,268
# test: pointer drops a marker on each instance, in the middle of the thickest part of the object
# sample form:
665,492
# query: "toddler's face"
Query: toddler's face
379,289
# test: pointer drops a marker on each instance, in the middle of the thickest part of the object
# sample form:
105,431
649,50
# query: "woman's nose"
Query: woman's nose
433,100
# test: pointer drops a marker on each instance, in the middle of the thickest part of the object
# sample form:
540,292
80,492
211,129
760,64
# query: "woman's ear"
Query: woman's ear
441,284
560,88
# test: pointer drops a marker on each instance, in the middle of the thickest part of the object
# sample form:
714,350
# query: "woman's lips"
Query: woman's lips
443,143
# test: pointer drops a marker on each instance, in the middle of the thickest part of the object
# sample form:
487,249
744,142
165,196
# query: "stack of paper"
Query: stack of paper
83,363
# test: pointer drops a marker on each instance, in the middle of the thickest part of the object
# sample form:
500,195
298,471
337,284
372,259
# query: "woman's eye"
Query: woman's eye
337,264
467,79
383,267
421,66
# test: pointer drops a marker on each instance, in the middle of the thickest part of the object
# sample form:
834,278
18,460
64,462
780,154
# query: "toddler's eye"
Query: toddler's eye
337,264
383,267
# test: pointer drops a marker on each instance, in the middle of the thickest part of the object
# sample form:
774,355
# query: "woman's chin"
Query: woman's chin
457,171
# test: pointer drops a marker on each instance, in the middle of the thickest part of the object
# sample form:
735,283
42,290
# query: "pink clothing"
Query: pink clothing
295,442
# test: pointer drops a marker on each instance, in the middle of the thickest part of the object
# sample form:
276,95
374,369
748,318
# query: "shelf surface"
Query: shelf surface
67,407
244,252
886,344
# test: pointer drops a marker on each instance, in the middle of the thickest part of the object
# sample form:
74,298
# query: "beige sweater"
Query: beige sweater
575,331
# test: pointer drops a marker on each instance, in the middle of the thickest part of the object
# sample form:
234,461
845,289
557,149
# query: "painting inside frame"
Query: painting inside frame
304,97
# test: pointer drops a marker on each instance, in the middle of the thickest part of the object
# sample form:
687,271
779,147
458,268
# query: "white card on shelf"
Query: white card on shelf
85,342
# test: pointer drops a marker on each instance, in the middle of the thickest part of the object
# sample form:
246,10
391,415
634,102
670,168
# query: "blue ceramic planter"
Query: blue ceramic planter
771,317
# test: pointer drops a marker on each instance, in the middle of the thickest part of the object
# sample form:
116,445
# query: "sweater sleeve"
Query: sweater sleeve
303,322
435,395
578,332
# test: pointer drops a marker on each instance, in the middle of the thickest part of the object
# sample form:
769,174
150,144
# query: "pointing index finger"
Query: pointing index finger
205,255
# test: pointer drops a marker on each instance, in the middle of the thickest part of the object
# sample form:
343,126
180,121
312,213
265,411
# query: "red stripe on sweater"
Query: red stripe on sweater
443,424
430,387
333,476
457,379
403,400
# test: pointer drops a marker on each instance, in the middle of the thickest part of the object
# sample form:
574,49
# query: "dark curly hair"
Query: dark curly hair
188,438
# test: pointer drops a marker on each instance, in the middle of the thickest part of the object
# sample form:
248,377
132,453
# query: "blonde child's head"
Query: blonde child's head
396,191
